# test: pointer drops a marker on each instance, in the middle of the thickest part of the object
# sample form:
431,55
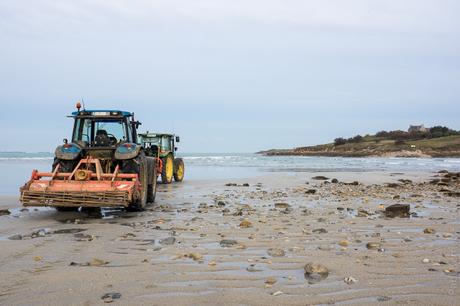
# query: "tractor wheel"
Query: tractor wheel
179,169
64,165
140,203
168,170
152,187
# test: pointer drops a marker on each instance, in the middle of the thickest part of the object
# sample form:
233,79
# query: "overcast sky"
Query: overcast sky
229,76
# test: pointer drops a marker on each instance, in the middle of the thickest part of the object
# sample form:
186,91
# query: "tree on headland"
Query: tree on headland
357,138
340,141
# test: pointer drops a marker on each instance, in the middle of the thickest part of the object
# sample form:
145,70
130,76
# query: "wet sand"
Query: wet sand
173,254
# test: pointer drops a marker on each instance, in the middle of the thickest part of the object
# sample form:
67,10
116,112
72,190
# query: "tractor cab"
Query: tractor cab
103,129
166,143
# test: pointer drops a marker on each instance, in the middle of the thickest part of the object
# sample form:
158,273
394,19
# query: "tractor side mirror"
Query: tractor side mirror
65,141
177,139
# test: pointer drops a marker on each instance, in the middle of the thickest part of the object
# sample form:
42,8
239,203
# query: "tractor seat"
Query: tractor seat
102,139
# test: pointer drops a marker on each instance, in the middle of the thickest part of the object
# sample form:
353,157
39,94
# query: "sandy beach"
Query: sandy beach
211,242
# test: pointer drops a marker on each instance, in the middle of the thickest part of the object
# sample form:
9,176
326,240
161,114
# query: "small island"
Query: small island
417,141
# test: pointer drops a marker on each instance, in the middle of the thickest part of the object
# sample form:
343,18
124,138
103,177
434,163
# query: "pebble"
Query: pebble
228,243
195,256
40,233
276,252
373,245
277,293
315,272
270,281
426,260
429,230
397,210
383,298
253,268
109,297
64,231
320,178
320,231
282,205
350,280
96,262
245,224
344,243
4,212
15,237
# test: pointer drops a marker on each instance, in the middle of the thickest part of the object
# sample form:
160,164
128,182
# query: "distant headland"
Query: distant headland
417,141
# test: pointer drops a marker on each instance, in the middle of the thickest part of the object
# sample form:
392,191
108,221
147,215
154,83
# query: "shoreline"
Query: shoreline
351,154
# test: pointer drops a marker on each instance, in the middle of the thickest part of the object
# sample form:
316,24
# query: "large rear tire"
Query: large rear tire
139,203
152,187
179,169
168,169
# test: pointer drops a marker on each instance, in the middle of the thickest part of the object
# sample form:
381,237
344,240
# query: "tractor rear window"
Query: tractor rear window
113,129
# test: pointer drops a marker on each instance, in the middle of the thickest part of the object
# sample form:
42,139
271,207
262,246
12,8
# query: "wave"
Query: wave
280,163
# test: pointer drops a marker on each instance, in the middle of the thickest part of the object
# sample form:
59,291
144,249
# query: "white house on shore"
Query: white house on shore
417,128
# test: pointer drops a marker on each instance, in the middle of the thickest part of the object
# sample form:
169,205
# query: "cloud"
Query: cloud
408,15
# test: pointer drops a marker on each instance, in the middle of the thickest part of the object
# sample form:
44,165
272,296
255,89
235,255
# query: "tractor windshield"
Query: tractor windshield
101,132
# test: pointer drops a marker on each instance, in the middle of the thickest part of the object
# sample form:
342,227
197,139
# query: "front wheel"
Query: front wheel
179,169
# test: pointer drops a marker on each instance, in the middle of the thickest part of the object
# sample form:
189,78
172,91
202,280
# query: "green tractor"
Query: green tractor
170,166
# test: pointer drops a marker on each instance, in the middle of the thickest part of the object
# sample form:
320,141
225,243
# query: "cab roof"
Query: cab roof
153,134
102,113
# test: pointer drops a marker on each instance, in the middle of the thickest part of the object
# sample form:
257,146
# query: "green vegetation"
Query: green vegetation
400,137
437,141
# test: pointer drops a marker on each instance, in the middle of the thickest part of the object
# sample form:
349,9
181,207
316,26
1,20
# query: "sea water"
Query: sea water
16,167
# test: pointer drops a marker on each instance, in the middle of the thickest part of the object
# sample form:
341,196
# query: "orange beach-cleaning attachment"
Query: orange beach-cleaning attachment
87,185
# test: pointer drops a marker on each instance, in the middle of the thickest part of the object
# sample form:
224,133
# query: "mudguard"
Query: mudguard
69,151
127,151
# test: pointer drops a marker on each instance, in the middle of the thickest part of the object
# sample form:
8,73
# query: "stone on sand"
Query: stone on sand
373,245
270,281
397,210
275,252
109,297
245,224
315,272
282,205
228,243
